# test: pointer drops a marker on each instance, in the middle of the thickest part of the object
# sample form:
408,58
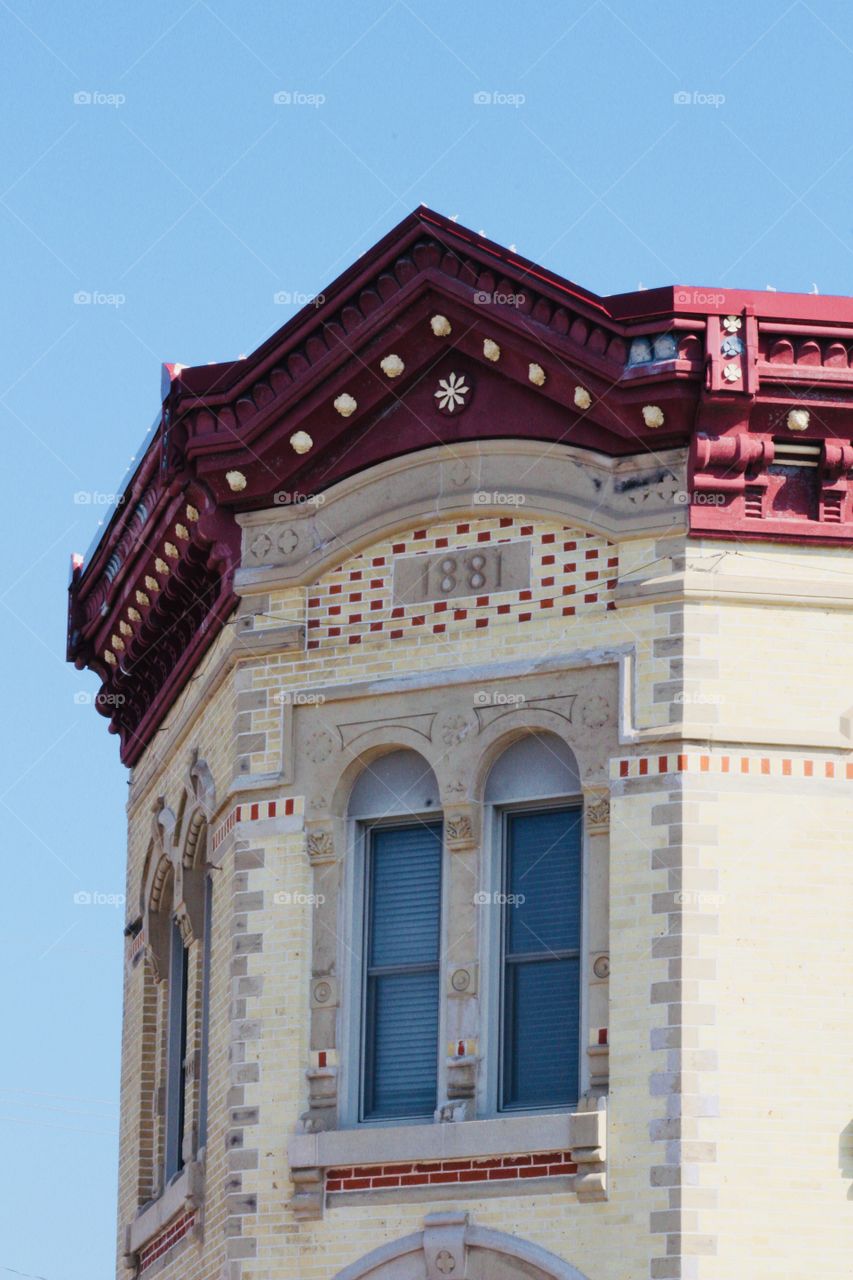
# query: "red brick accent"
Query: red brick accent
169,1236
547,1164
552,576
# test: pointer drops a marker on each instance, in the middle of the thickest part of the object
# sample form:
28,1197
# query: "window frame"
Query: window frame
355,925
204,1029
177,1033
492,961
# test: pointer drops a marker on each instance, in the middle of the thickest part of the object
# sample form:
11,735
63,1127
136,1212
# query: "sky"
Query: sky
177,179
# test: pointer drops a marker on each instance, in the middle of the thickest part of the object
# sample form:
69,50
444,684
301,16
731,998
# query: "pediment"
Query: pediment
371,373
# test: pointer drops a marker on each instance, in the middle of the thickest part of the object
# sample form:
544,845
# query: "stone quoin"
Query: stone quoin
480,651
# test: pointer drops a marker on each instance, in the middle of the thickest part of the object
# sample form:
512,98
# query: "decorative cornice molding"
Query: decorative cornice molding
761,384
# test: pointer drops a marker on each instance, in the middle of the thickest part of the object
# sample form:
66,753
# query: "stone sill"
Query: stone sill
500,1136
186,1191
583,1133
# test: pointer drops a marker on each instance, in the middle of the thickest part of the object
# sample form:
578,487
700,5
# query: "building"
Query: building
480,648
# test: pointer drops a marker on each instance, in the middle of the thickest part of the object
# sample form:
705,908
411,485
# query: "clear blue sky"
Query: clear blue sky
186,198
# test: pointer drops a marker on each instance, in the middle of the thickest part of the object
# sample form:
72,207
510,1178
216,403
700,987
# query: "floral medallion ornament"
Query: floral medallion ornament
452,393
731,373
731,324
320,747
653,416
732,346
583,400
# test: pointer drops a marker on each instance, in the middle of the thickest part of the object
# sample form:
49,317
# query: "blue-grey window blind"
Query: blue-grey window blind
540,1023
403,914
176,1052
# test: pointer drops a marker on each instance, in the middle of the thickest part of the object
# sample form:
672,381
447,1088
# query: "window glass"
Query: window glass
176,1052
540,999
401,1008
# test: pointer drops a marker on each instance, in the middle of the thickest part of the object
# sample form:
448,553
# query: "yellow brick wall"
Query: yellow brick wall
764,857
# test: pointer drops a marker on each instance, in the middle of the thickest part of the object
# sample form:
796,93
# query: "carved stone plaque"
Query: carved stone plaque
462,571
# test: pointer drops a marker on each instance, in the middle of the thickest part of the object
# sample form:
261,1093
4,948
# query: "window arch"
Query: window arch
174,1040
481,1252
532,928
177,900
395,1010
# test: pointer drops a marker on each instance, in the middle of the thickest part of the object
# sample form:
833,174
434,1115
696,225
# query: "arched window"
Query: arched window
176,1045
395,1018
206,951
533,925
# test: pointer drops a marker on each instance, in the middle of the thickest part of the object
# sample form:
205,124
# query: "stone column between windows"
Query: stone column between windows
596,822
325,838
462,833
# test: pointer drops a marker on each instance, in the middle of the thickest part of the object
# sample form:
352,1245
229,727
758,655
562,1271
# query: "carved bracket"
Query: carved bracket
589,1150
445,1251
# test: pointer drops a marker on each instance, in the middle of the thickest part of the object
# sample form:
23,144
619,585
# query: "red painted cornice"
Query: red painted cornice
758,386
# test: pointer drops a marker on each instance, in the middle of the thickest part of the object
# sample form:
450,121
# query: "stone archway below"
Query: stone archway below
449,1248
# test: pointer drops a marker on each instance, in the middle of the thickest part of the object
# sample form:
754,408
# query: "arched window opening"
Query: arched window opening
204,1065
534,925
176,1050
395,807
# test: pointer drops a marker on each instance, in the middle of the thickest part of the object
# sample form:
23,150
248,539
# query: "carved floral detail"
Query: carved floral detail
321,846
452,392
598,812
455,729
595,711
320,746
459,828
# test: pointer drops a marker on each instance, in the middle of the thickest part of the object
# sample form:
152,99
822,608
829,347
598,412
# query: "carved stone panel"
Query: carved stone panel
456,572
